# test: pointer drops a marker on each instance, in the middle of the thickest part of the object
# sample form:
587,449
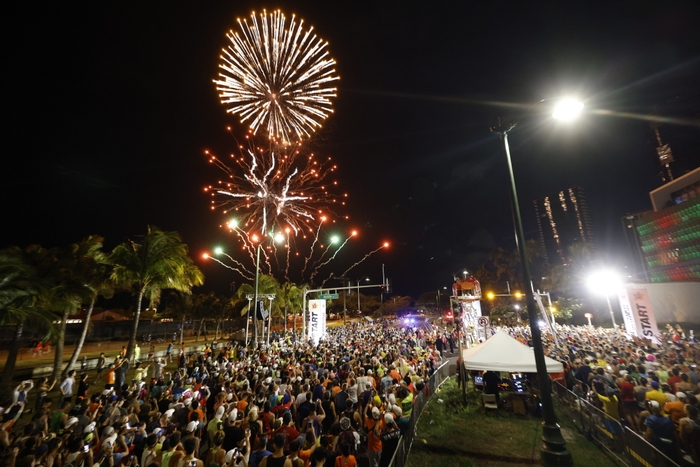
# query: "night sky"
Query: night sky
111,105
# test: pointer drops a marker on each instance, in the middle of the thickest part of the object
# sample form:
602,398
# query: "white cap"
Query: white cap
111,439
71,421
229,456
219,413
388,418
392,399
169,413
229,397
108,431
233,415
654,405
397,410
90,428
375,413
681,395
191,427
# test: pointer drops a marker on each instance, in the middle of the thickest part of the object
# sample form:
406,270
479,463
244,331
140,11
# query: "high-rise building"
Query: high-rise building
667,239
563,220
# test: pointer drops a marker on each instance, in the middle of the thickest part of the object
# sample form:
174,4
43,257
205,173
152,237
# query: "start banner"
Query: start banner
317,320
638,314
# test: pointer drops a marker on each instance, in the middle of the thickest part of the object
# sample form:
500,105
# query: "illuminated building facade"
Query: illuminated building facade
563,220
668,238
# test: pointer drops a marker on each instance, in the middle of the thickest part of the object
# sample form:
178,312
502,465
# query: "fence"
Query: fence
406,441
608,433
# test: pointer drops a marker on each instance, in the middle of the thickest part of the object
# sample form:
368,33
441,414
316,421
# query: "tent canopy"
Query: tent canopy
503,353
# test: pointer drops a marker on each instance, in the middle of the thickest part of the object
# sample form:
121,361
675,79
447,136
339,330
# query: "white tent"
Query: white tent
503,353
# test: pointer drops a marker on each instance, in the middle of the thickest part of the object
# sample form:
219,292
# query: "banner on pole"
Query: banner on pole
638,314
317,320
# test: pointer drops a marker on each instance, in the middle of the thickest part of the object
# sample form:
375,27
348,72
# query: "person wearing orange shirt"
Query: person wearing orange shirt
374,444
345,459
676,409
110,377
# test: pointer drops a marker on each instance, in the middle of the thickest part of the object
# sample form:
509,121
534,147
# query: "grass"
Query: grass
450,434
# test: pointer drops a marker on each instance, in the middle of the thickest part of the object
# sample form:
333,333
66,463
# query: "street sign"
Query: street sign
328,296
483,321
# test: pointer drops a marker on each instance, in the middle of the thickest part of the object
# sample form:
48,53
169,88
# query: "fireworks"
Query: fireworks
277,76
269,191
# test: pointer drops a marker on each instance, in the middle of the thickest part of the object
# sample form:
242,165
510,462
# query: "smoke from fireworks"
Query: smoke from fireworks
276,75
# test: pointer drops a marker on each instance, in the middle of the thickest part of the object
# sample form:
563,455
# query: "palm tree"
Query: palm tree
64,294
204,306
159,261
179,307
20,292
291,299
93,269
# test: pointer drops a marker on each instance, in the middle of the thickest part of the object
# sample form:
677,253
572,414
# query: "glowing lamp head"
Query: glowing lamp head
606,282
518,295
567,109
490,295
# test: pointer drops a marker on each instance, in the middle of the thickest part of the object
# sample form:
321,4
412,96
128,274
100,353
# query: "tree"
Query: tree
20,295
566,308
91,268
179,308
291,300
159,261
64,294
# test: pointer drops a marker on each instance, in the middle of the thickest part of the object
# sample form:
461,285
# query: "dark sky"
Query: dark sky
111,105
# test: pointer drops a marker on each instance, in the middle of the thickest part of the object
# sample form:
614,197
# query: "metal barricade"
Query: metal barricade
643,454
421,400
597,426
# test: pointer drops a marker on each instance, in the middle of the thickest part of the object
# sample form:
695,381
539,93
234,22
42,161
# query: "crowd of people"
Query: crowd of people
650,386
293,403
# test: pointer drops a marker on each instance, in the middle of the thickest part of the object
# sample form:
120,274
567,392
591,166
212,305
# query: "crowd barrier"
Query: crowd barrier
608,433
419,403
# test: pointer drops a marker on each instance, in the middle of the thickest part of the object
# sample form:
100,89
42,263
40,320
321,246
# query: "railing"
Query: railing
406,441
608,433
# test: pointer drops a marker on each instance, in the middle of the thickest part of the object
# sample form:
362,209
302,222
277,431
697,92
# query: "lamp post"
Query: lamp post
553,449
366,278
589,316
278,238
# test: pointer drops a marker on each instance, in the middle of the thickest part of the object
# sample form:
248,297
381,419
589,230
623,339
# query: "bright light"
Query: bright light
605,282
232,224
517,307
567,109
279,237
205,256
335,239
353,233
254,238
386,244
490,295
218,250
518,295
540,323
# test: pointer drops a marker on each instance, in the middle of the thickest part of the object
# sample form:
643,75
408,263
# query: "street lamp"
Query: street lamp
606,282
277,238
366,278
589,316
553,449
